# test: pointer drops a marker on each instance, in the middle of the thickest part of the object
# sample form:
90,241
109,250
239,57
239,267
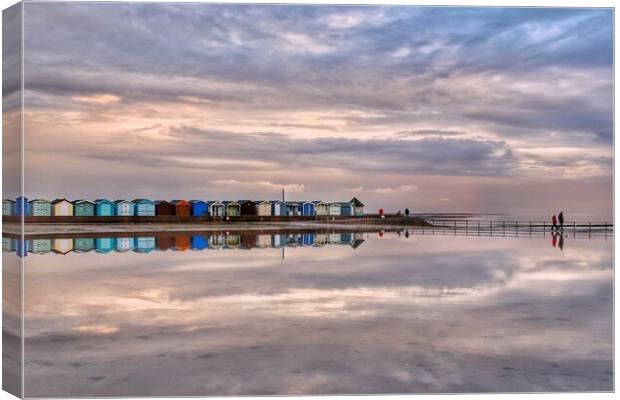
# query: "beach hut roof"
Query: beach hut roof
293,203
345,203
277,201
143,200
157,202
213,202
122,201
82,201
227,202
56,201
262,201
356,202
317,202
12,201
180,202
197,201
39,201
102,201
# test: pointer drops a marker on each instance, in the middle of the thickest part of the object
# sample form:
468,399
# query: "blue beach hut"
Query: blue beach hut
145,244
104,208
346,209
307,208
199,208
199,242
22,206
144,207
307,239
279,208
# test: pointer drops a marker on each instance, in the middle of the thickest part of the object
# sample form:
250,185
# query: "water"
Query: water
340,313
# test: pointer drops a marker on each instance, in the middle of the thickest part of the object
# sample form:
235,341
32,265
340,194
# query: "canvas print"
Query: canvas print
205,199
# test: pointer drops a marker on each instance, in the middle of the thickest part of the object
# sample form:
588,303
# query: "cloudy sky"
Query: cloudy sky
435,109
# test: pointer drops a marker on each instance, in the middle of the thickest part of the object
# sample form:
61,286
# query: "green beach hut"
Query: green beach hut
40,208
83,208
8,207
83,245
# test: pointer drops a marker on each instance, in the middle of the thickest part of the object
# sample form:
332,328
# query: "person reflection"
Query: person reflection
407,233
561,242
554,238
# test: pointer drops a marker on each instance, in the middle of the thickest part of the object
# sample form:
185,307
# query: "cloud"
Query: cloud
290,187
399,189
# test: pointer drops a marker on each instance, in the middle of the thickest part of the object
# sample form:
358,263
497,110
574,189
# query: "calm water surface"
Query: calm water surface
327,314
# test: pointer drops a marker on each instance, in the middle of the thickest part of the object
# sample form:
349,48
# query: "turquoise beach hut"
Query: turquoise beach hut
104,245
104,208
144,207
199,208
41,246
8,207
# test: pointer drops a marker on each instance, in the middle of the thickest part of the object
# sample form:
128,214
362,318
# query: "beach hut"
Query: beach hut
278,240
247,207
62,246
145,244
22,206
41,246
199,242
181,208
307,239
346,209
247,241
231,208
164,243
125,244
8,244
334,208
263,208
162,207
104,245
263,241
8,207
279,208
104,208
334,238
124,208
232,241
216,208
320,239
144,207
181,242
62,208
216,241
294,208
83,208
40,208
358,206
321,208
83,245
199,208
22,247
308,209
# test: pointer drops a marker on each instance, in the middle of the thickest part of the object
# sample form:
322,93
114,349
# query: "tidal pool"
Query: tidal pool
317,314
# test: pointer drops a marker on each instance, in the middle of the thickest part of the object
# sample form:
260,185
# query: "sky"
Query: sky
438,109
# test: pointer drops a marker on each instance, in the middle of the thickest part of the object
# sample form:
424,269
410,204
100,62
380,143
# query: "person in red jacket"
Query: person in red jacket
554,223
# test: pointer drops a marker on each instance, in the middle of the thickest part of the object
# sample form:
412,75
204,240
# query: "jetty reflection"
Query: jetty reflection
177,242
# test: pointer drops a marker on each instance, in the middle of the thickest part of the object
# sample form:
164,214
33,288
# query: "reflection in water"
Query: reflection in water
146,244
398,314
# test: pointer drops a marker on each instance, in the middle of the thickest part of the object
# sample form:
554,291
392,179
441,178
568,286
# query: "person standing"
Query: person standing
561,220
554,223
406,212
